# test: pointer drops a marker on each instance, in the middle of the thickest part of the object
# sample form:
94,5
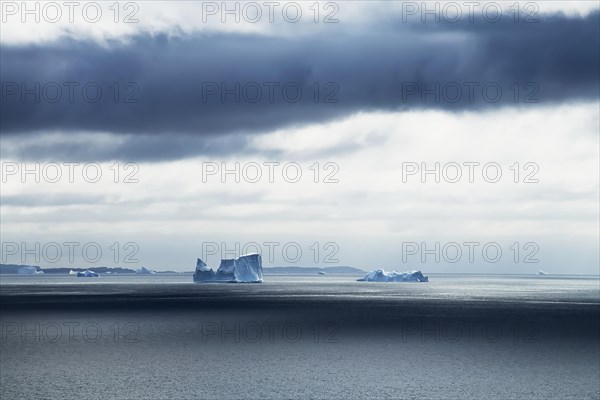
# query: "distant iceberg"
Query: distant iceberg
28,271
88,274
247,268
144,271
380,275
540,272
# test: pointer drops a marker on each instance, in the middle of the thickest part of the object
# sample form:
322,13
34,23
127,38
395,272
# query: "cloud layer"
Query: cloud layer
198,88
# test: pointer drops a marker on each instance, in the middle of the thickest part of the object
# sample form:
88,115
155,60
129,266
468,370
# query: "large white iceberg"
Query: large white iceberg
380,275
247,268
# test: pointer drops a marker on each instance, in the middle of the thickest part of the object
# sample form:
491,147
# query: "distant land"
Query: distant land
311,270
13,268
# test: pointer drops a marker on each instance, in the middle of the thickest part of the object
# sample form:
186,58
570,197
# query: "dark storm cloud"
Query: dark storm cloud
170,80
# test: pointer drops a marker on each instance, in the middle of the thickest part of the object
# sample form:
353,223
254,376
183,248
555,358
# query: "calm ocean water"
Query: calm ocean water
163,337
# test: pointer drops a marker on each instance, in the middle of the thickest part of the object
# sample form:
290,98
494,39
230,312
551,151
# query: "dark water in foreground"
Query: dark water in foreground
161,337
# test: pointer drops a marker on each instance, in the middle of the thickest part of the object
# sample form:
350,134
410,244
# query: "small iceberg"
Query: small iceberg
247,268
540,272
321,273
144,271
88,274
380,275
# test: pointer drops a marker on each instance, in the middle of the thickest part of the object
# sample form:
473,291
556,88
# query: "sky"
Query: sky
444,137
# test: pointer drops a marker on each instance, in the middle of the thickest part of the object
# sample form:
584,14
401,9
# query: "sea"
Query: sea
297,337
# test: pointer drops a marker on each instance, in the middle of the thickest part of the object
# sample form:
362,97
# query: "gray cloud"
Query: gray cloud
129,147
555,60
52,200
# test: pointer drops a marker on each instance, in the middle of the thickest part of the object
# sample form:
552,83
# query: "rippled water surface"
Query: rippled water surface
163,337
